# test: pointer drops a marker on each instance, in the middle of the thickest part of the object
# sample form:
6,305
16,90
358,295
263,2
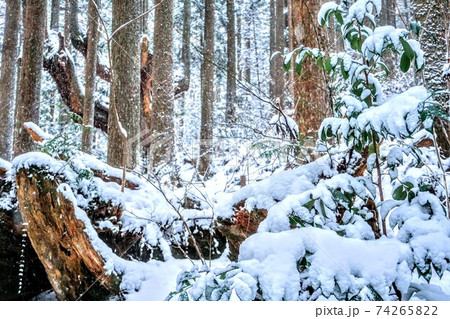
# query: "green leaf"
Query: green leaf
339,18
323,135
358,146
411,196
384,67
399,193
328,65
408,50
320,62
309,205
425,273
405,63
408,185
296,221
288,58
345,74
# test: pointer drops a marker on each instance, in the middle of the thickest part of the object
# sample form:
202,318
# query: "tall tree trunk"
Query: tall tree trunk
311,93
434,16
144,19
272,48
54,18
291,45
76,37
184,83
67,23
124,119
30,77
162,125
279,45
231,62
207,90
239,40
387,15
8,76
90,76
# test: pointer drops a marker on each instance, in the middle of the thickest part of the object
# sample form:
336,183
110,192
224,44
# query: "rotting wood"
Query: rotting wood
241,226
72,264
146,81
3,172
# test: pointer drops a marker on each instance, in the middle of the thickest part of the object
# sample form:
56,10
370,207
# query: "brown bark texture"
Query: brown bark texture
162,125
231,62
29,94
90,76
8,76
435,15
72,264
207,90
184,83
311,93
125,98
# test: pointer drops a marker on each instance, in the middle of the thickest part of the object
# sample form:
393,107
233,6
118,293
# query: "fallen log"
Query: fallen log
74,267
39,136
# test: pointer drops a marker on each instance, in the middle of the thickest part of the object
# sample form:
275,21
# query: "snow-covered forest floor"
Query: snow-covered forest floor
358,210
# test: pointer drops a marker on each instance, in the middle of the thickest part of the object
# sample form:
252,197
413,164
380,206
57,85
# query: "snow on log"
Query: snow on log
59,237
37,134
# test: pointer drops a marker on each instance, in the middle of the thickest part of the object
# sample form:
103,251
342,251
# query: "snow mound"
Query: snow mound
337,264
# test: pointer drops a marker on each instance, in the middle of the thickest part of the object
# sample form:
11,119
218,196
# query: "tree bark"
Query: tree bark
125,86
61,69
184,83
146,84
231,62
207,91
54,18
272,48
239,39
72,264
434,16
162,125
387,15
79,40
279,44
8,76
90,76
311,94
30,77
145,19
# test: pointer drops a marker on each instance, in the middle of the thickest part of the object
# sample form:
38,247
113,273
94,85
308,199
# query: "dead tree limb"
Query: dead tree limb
58,63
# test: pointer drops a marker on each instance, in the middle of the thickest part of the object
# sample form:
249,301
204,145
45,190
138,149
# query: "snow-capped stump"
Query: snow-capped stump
60,239
242,225
16,249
